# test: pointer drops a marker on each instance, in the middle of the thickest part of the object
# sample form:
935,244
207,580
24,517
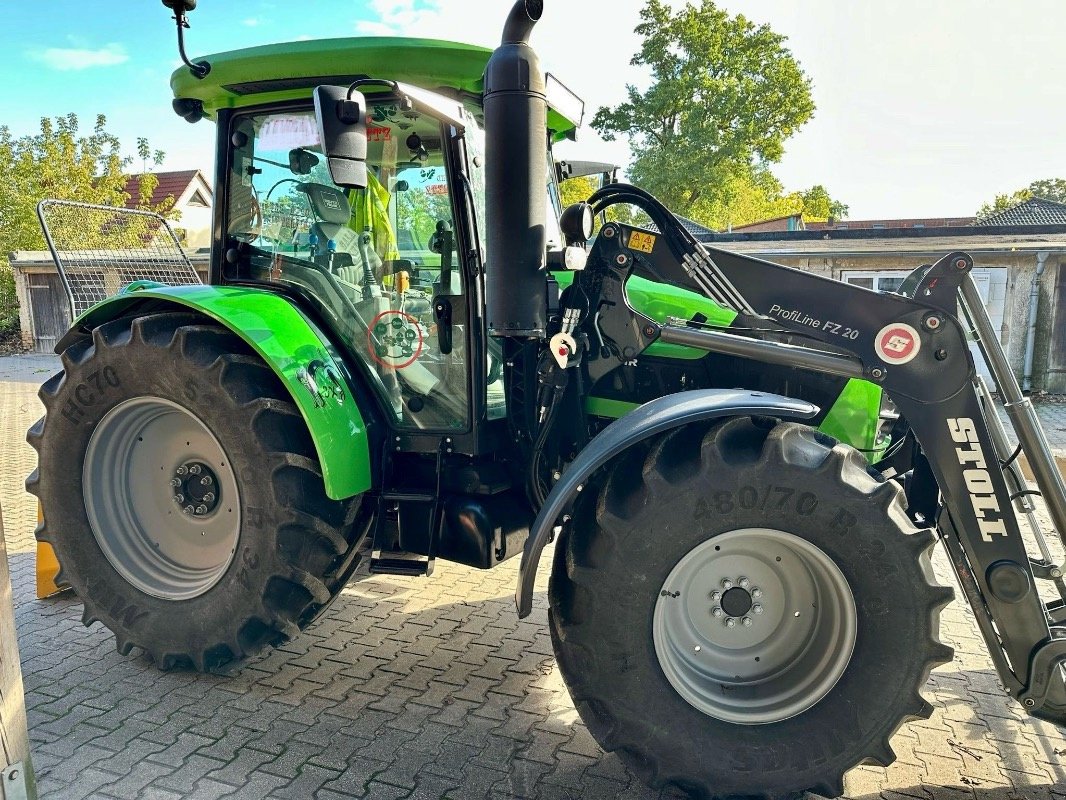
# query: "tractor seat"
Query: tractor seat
330,206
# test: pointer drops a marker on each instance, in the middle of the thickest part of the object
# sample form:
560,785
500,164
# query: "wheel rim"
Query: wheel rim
147,482
754,626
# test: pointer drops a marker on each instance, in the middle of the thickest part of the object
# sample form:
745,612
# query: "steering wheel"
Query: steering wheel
251,220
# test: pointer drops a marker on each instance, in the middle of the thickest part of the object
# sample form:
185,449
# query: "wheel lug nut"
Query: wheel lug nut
716,596
209,497
179,498
744,583
730,623
747,622
194,469
757,608
727,584
187,510
756,592
175,482
717,612
205,480
201,509
182,470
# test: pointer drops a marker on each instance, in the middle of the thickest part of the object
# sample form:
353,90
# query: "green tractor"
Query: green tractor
407,350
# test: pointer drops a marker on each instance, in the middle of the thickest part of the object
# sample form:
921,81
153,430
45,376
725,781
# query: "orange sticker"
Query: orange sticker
378,134
641,242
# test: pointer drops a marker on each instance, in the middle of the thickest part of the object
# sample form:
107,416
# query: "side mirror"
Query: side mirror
301,161
342,129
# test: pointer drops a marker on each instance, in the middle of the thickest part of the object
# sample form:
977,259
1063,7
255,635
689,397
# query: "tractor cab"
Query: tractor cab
393,269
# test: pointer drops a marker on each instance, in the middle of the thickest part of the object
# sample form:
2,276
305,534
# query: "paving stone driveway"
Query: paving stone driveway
412,688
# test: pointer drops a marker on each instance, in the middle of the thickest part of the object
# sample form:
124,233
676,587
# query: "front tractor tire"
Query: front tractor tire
182,493
743,609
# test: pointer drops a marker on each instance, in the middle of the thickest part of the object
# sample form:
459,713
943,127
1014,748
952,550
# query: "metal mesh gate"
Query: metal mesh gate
100,250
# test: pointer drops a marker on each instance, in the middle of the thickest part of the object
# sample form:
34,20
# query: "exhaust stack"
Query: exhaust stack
516,111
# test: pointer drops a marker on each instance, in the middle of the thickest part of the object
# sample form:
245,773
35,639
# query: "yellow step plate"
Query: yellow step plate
47,566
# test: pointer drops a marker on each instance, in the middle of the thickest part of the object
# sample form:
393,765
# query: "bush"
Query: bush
9,305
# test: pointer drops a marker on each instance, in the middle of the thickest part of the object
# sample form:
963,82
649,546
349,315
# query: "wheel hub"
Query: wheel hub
737,602
196,488
754,625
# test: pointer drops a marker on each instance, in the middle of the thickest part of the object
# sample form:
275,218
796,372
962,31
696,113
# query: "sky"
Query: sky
924,109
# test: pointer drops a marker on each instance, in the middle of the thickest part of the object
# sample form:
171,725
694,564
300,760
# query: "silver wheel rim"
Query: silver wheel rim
161,498
754,626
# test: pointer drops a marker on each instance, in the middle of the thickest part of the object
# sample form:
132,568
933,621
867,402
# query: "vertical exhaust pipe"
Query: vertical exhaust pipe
516,146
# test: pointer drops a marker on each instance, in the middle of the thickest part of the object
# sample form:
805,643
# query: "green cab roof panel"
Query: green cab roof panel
290,70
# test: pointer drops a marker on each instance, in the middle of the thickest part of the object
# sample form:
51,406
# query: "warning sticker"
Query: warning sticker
395,339
897,343
641,242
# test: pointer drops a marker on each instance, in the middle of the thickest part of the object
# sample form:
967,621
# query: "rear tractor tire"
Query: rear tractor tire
743,609
182,493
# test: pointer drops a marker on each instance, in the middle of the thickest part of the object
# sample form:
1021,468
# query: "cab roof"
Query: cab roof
288,71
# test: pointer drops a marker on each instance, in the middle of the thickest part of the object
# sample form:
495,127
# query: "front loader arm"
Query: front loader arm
915,349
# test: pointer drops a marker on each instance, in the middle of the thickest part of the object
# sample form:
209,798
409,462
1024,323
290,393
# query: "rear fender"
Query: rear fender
648,420
291,345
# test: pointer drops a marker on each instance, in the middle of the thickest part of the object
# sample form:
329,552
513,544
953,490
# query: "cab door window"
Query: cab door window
376,262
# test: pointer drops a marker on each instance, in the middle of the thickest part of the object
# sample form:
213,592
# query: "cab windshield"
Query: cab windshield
379,262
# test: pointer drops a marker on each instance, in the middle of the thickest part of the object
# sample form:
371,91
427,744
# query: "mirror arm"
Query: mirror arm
181,8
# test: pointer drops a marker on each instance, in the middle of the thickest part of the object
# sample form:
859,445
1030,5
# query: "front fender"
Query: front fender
288,342
650,419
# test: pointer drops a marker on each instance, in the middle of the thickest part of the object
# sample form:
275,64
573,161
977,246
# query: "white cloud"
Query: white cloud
252,22
364,28
76,58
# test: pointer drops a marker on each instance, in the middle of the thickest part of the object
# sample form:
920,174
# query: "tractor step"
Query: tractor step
397,564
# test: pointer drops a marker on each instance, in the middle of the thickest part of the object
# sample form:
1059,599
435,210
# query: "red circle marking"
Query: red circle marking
370,338
897,344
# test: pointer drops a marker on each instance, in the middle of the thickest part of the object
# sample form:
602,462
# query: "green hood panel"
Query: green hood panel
288,342
661,300
853,417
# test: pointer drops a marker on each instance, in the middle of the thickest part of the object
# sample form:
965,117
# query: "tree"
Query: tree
576,190
1048,189
59,163
725,96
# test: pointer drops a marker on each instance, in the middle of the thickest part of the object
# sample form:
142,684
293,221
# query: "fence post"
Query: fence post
16,771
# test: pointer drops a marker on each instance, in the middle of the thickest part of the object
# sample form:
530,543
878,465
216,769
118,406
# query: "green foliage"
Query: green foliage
1048,189
576,190
725,96
58,162
9,309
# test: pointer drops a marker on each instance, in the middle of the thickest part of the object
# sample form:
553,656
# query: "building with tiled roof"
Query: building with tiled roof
1034,211
796,222
189,194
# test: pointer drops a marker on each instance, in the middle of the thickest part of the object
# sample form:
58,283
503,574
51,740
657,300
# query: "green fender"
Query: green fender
288,342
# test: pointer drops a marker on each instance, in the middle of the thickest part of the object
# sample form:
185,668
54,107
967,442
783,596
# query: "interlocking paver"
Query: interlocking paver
415,688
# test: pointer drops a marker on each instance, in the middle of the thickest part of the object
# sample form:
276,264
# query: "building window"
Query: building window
880,281
197,200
